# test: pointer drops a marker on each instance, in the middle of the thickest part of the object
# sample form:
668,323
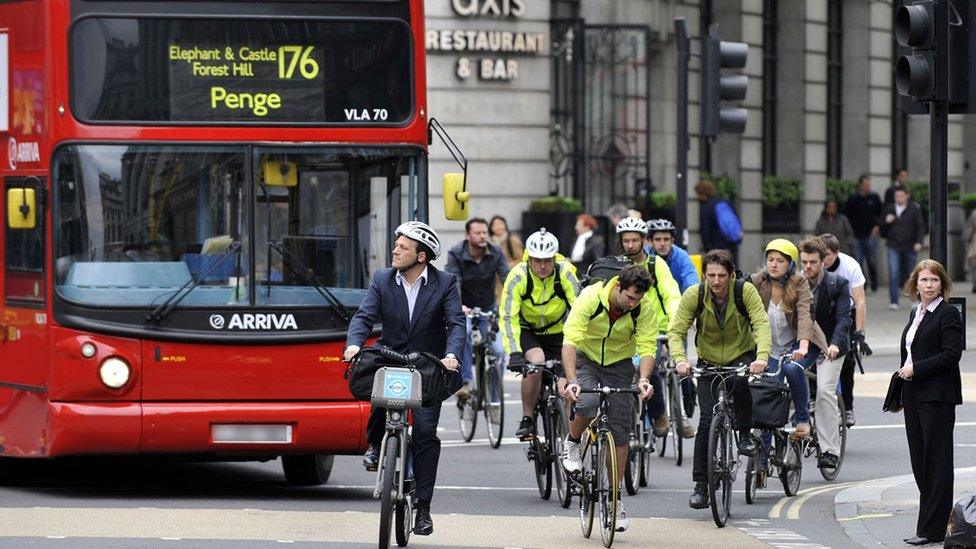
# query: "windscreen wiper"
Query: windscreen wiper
165,308
305,273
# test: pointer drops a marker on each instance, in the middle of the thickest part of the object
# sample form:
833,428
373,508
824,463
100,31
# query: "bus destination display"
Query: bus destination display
281,82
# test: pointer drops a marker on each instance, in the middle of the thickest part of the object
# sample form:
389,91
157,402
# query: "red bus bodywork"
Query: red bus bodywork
52,401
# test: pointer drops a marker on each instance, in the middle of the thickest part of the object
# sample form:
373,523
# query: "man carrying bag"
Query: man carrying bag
420,309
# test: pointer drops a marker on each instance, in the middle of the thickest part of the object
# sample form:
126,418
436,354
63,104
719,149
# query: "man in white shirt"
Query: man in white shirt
848,267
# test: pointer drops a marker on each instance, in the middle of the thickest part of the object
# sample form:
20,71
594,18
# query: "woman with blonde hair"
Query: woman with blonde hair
786,295
931,346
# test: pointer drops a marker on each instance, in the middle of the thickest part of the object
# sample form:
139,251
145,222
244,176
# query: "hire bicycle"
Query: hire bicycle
547,444
596,483
487,394
398,390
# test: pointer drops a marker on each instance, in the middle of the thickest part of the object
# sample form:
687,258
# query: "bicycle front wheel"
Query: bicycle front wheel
494,398
560,428
468,412
541,461
677,417
719,474
752,471
387,497
792,468
635,459
609,495
587,485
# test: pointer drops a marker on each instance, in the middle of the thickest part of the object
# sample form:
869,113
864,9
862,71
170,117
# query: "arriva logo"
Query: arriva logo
255,321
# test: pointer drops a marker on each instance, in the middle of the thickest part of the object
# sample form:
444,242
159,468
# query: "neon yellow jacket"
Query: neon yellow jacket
665,290
588,327
544,311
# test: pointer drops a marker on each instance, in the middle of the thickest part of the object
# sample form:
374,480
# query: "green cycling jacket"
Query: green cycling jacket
589,329
544,311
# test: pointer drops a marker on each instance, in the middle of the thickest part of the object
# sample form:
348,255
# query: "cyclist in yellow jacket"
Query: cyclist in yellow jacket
607,325
536,298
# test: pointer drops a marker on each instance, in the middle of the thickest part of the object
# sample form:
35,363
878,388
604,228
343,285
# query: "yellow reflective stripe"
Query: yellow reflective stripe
511,327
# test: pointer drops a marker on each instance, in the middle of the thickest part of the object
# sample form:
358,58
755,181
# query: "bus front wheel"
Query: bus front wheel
308,469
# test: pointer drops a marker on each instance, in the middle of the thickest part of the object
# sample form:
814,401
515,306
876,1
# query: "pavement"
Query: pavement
882,512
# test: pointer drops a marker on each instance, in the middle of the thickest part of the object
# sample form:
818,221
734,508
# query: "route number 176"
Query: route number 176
292,57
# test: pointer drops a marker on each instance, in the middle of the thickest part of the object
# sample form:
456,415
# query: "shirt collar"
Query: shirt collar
400,280
932,306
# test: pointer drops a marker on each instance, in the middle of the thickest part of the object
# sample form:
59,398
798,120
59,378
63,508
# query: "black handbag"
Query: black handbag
439,383
770,403
362,368
892,401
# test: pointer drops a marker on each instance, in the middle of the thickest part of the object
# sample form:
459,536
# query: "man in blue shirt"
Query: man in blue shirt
661,236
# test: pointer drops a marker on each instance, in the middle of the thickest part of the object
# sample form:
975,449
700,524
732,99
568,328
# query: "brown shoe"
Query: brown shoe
465,391
661,425
802,431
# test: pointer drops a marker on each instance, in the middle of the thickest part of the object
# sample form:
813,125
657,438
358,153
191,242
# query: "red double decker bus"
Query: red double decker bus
196,195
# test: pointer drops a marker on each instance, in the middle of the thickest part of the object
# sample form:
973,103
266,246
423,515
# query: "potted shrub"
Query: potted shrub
839,190
558,215
781,204
968,203
920,194
660,206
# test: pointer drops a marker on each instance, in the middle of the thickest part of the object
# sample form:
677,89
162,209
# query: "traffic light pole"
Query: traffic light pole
939,182
681,185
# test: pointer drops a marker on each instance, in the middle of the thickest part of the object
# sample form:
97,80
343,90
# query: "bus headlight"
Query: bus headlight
88,349
114,372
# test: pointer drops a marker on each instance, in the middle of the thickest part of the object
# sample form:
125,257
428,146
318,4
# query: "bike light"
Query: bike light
88,349
114,372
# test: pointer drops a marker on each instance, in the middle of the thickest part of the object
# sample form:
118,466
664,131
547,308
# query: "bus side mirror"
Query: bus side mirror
455,197
21,208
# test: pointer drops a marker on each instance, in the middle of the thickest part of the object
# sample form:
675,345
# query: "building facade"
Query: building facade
578,99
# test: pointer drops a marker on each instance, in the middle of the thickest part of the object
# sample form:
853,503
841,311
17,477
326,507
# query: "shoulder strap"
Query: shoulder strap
558,289
527,292
740,303
700,308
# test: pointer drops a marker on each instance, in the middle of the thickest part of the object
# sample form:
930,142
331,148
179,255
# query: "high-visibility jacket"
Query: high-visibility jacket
589,329
532,303
665,289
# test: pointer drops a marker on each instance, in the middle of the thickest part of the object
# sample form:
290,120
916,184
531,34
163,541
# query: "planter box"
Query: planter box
785,219
659,213
561,224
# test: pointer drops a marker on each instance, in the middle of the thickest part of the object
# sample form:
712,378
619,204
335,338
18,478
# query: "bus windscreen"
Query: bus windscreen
183,70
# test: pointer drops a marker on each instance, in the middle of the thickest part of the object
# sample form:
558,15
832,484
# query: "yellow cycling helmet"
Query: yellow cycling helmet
784,247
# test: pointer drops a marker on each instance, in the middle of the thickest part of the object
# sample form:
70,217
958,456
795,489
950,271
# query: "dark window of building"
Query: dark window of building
835,103
770,73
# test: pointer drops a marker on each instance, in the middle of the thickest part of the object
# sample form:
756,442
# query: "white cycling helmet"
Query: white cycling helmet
542,244
421,232
632,225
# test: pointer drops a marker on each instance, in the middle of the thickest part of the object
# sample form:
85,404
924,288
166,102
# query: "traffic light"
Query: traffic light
718,55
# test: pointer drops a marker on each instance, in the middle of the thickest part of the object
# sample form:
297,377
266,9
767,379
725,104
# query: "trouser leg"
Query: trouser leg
376,426
828,433
936,420
706,404
426,450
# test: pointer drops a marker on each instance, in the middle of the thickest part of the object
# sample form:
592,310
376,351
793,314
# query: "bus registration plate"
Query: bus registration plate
251,434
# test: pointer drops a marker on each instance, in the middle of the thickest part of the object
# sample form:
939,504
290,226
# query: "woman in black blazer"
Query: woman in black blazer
931,347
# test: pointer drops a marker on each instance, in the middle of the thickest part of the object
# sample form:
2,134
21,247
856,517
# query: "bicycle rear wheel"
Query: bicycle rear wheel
661,442
752,471
587,491
543,465
387,497
677,417
792,469
635,457
560,427
609,495
494,399
830,473
468,407
719,475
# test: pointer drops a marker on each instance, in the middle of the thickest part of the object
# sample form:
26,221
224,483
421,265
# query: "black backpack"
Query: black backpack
605,268
740,304
558,291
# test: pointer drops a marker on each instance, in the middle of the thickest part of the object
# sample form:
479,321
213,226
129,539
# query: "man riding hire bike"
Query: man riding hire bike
631,233
607,325
536,298
420,309
732,329
662,234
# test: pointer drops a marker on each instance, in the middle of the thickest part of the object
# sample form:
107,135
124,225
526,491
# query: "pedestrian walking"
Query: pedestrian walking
863,210
931,346
833,222
905,230
588,246
900,180
720,226
969,237
510,244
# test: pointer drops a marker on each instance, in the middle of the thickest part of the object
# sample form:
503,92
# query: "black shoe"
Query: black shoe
827,461
423,525
371,459
526,430
699,498
747,446
919,541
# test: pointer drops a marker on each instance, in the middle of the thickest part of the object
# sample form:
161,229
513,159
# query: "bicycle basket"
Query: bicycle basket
770,403
397,388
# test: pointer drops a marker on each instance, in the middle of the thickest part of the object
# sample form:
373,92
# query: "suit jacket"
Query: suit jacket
834,315
936,351
438,323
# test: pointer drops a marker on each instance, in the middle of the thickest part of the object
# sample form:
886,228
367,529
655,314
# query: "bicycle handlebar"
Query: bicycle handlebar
609,391
478,313
547,367
406,360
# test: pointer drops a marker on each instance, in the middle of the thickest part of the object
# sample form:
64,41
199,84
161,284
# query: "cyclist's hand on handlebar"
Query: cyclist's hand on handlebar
450,363
516,361
683,368
646,389
832,352
572,391
799,353
350,352
465,309
757,367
